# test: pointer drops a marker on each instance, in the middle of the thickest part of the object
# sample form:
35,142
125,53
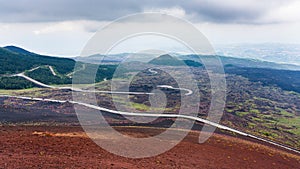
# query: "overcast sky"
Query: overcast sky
62,27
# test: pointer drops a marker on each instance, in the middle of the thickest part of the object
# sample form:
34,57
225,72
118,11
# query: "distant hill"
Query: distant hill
272,52
242,62
285,79
268,73
18,50
166,60
169,60
113,58
16,60
235,61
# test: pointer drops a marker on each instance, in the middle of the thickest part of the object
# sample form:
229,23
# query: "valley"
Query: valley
261,103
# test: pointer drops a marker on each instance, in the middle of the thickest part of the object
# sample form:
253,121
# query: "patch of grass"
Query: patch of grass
268,118
295,131
140,107
251,125
241,114
257,119
229,110
290,122
285,113
18,91
268,134
254,111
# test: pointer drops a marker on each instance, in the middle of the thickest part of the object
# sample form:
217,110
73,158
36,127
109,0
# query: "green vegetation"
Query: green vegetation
254,111
255,100
284,112
285,79
140,107
291,124
192,63
16,60
44,75
251,125
12,62
18,91
94,73
241,114
15,83
239,62
269,134
168,60
255,119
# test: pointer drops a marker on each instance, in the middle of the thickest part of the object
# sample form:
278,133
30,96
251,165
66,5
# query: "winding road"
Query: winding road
71,88
82,68
157,115
152,71
33,81
189,92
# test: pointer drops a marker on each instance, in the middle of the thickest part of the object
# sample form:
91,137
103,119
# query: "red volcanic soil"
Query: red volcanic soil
68,147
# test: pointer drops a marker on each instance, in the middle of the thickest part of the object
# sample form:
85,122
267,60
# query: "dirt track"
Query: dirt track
68,147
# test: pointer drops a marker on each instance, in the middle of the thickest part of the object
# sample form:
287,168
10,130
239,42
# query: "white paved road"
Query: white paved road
71,88
52,70
152,71
188,91
158,115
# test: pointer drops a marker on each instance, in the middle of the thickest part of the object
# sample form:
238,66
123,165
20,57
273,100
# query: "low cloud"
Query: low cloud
215,11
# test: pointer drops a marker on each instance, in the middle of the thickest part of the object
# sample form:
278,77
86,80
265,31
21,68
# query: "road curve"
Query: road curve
189,92
152,71
82,68
33,81
73,89
158,115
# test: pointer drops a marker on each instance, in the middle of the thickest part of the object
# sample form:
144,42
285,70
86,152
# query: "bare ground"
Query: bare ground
69,147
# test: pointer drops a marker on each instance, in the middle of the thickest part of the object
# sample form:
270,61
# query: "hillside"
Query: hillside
254,103
63,146
46,69
242,62
285,79
18,50
15,60
255,71
169,60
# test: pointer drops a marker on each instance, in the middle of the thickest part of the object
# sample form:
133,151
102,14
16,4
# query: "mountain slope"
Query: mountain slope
242,62
285,79
169,60
18,50
44,69
17,60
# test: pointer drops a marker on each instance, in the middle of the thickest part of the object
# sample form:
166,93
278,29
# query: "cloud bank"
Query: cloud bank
216,11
